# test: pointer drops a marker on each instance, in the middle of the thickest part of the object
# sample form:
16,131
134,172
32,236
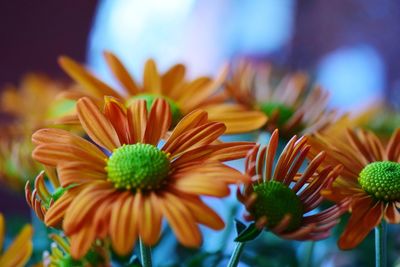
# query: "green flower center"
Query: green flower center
284,112
274,201
382,180
138,166
175,111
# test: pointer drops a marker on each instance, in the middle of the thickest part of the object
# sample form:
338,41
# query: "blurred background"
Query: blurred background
350,47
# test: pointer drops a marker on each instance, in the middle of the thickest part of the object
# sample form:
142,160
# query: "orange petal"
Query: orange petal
115,112
150,219
151,78
85,78
19,252
56,212
211,170
181,220
358,228
202,185
185,93
121,73
137,120
202,213
219,152
190,121
392,149
201,94
172,78
80,172
123,225
67,120
231,151
58,136
236,118
96,125
55,154
82,240
197,137
270,156
392,214
84,205
159,121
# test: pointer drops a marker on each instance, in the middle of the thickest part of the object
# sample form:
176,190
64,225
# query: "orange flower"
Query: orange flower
289,105
124,184
30,106
370,178
182,95
19,252
380,118
276,202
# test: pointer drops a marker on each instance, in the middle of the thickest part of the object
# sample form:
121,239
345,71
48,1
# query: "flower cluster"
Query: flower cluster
120,167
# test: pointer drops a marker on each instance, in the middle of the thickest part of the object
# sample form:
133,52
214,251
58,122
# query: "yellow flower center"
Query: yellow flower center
274,201
175,110
381,179
138,166
284,112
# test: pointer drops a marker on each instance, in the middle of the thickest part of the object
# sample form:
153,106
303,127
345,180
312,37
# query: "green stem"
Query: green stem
234,260
380,245
145,254
309,254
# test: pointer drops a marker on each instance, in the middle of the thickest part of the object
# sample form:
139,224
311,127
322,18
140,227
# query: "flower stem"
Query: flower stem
234,260
308,259
145,254
380,245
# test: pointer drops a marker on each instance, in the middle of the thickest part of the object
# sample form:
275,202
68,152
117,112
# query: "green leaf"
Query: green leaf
248,234
240,227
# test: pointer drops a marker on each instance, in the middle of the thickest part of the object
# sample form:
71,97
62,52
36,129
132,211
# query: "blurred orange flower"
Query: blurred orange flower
19,252
29,107
291,106
182,95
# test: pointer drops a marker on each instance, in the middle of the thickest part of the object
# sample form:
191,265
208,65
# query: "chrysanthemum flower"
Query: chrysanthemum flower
280,198
291,106
370,178
30,106
19,252
182,95
125,183
380,118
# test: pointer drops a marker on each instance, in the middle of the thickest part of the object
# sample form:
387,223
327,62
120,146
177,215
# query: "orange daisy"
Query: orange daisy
30,106
380,118
281,199
19,252
369,178
127,182
290,105
182,95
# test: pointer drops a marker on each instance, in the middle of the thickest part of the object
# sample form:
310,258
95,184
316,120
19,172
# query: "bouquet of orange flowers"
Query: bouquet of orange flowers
130,176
